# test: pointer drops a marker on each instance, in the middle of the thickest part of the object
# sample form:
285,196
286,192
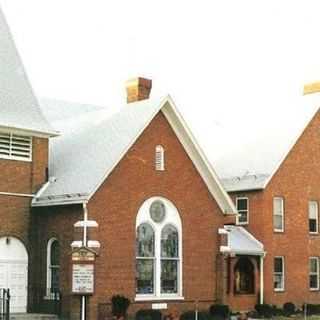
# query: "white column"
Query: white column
261,279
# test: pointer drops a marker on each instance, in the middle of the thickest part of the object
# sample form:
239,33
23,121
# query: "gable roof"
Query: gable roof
95,140
19,107
241,242
250,161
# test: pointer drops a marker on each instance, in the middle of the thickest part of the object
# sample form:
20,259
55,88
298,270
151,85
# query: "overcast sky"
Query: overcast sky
223,62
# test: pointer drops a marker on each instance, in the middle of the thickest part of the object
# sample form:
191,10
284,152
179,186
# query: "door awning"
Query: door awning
241,242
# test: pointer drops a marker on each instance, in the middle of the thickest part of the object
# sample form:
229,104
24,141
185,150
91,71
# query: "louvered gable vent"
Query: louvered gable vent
15,147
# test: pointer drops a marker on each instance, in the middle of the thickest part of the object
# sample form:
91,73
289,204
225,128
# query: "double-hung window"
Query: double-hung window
278,214
243,210
278,274
313,216
158,251
314,273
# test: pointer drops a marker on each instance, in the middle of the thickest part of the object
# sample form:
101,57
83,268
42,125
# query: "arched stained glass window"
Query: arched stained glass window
158,250
53,266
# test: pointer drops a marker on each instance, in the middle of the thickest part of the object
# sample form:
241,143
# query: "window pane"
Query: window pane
145,241
242,204
313,225
313,210
313,265
169,276
313,281
278,281
277,222
278,266
54,279
243,217
169,242
55,254
144,276
277,206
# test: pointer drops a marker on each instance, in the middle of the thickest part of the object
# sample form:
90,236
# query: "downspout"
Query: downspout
261,278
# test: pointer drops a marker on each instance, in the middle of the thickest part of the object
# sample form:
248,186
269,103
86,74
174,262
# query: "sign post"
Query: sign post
83,262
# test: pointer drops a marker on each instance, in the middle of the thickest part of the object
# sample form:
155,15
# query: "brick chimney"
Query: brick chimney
138,89
311,88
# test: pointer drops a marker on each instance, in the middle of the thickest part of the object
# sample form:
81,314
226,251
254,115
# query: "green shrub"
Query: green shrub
120,305
148,314
264,310
190,315
277,311
220,310
289,308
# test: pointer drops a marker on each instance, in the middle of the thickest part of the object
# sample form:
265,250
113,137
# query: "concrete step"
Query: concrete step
33,316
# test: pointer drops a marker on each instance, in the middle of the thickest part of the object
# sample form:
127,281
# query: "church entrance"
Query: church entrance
14,272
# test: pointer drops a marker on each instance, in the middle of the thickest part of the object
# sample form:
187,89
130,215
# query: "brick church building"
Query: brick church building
168,233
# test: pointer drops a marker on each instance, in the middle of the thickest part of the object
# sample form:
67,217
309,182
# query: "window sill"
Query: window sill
314,289
159,298
279,290
278,231
313,233
50,298
242,223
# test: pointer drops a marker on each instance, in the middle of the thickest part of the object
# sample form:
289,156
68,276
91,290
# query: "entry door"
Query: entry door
15,277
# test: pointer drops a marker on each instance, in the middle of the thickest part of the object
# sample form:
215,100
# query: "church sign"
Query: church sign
83,271
82,278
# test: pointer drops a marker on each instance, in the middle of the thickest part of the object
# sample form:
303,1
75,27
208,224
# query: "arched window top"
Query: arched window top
145,241
158,212
159,158
169,242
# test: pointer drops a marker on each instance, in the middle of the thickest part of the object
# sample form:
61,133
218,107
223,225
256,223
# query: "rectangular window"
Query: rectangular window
15,147
159,159
243,210
314,273
313,216
278,274
278,214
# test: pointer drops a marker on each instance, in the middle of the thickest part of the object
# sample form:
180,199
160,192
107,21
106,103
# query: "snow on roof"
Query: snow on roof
94,140
254,150
19,107
240,241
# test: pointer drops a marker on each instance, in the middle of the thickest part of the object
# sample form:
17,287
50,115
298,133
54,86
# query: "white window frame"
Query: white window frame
49,294
247,211
283,274
25,145
314,273
159,158
282,214
172,217
317,216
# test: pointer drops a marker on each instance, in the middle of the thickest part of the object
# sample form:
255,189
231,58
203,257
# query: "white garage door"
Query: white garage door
14,272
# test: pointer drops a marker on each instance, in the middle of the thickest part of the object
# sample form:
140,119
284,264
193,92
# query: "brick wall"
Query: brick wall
297,180
21,177
115,206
